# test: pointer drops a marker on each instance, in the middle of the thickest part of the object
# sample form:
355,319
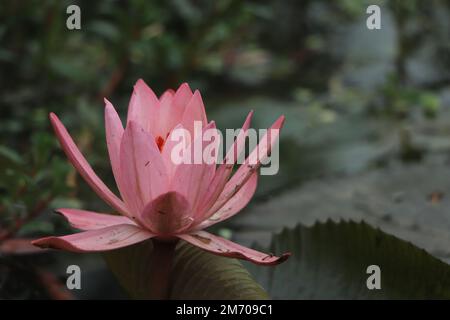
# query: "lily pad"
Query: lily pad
196,274
330,260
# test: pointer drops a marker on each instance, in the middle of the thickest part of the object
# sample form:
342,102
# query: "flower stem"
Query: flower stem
161,268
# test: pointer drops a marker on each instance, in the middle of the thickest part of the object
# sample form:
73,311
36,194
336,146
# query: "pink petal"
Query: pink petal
182,98
114,133
194,111
213,191
239,144
224,171
143,172
143,107
177,135
166,115
18,247
83,167
226,248
190,179
105,239
238,202
172,109
168,91
251,165
167,214
88,220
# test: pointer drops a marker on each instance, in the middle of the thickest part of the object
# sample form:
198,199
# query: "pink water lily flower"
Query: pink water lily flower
161,199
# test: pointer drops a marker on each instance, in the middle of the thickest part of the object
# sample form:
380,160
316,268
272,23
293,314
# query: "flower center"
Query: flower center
159,142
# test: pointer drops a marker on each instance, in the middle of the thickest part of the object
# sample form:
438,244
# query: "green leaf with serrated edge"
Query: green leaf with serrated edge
196,274
329,261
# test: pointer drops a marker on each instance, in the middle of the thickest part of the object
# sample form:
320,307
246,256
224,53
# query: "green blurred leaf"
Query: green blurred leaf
196,274
10,155
104,29
329,261
33,227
